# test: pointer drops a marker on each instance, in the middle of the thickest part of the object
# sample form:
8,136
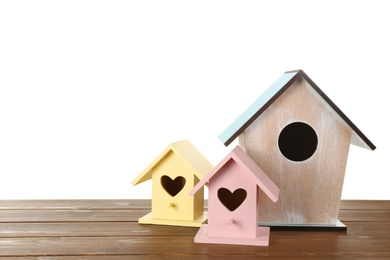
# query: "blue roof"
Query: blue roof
269,96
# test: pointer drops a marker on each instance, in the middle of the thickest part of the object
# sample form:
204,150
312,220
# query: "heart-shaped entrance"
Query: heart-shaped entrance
231,200
173,187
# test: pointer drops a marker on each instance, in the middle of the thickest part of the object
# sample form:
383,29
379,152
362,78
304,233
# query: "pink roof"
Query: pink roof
250,167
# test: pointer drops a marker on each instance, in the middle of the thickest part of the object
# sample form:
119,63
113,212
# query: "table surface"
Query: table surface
108,229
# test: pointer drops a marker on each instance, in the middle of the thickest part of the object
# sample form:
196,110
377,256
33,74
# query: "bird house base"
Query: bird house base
261,239
339,226
147,219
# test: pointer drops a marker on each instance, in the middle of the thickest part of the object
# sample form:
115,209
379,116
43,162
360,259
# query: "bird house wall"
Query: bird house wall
182,206
310,190
244,216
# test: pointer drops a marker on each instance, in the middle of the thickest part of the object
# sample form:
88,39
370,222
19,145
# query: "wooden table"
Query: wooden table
108,229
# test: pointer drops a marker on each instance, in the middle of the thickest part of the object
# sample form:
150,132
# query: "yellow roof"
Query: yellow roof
187,152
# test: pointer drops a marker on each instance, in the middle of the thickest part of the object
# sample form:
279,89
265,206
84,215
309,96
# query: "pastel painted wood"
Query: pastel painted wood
232,201
301,139
177,169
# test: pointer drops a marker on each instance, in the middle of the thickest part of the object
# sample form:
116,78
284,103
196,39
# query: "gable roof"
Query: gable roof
271,94
185,150
243,160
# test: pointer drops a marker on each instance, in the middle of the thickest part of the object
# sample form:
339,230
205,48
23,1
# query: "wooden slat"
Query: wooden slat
183,245
61,215
107,229
365,204
364,215
74,204
188,257
368,228
144,204
90,229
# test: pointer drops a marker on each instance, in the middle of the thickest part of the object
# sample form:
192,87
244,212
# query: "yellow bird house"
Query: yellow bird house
174,172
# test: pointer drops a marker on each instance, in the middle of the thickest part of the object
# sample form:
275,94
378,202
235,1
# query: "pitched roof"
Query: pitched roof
243,160
271,94
185,150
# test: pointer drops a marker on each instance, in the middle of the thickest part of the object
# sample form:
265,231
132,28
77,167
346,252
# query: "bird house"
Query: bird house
300,138
233,202
174,172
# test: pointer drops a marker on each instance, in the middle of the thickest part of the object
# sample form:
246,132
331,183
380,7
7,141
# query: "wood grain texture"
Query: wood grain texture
75,204
310,190
99,229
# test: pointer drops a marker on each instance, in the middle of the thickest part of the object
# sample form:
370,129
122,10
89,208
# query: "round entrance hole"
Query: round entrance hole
298,141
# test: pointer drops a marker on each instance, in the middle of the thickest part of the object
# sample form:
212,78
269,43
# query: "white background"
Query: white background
92,91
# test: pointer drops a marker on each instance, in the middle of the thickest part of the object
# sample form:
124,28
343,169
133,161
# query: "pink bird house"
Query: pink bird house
233,202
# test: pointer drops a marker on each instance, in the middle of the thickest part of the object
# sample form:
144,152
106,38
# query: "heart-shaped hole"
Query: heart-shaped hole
173,187
231,200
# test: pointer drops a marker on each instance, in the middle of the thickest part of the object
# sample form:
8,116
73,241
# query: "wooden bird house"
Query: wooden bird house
174,172
233,202
300,138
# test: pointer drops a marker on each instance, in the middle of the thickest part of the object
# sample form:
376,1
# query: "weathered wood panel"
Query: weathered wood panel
310,190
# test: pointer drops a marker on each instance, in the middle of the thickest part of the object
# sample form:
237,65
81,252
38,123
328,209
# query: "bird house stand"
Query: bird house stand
174,172
233,202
